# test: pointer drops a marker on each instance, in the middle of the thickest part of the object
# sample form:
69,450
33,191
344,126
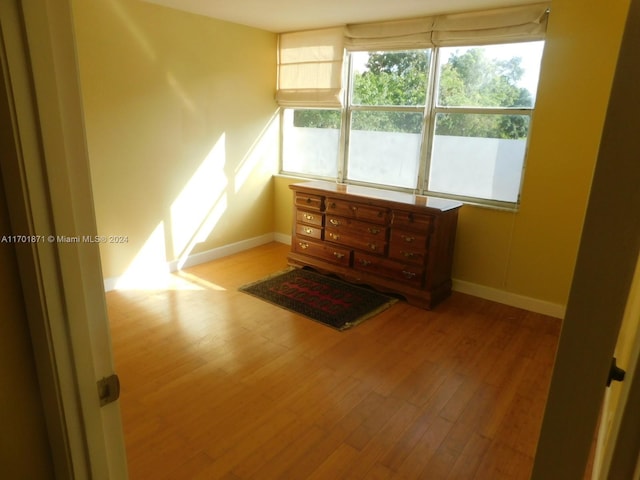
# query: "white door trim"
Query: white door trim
48,190
618,451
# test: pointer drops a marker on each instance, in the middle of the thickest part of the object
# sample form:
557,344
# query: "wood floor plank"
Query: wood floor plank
430,452
217,384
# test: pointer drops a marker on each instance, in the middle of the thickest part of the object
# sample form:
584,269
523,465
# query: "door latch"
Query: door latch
108,389
615,372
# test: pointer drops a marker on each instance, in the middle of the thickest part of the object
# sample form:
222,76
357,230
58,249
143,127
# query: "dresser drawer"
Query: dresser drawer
308,231
308,201
309,218
408,246
407,254
371,244
419,222
325,251
359,211
345,225
403,272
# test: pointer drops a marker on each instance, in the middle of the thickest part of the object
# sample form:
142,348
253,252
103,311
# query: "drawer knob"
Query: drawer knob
335,222
373,246
309,200
375,231
308,231
338,255
335,236
303,245
364,263
408,275
408,239
308,217
409,254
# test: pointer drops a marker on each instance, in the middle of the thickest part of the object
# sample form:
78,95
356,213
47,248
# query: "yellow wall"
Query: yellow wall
577,72
166,91
168,94
532,252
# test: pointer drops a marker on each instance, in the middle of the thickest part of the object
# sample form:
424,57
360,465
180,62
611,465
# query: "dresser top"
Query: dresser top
402,198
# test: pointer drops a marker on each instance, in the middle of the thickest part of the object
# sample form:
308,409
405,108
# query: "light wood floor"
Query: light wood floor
217,384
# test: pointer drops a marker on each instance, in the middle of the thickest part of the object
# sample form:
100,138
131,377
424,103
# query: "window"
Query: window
385,114
311,142
481,120
461,131
435,105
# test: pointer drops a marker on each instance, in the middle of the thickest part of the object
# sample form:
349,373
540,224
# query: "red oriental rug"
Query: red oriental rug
325,299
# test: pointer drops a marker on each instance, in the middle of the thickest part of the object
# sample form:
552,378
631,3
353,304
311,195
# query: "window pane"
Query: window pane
490,76
384,148
390,78
310,142
478,155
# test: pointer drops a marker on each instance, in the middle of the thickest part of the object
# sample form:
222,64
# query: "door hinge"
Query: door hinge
615,373
108,389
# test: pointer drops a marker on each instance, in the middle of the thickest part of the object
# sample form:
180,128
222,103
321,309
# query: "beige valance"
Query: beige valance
502,25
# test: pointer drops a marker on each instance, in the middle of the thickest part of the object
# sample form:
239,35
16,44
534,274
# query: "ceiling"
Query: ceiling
294,15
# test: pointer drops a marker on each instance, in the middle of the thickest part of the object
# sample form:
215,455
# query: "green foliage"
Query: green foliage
468,79
472,80
397,78
317,118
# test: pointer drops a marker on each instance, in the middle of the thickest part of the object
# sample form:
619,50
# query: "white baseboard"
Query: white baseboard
488,293
209,255
110,283
282,238
508,298
224,251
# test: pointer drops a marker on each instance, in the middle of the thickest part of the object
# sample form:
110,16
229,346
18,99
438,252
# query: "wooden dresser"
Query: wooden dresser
395,242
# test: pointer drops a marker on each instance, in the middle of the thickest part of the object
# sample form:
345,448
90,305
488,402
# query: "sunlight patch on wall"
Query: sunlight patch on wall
136,32
261,149
149,269
200,204
179,91
205,229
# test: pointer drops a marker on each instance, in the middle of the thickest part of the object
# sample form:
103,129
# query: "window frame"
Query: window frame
429,110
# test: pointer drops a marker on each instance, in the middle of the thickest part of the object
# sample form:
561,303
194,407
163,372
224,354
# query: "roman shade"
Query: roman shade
502,25
396,35
310,63
310,68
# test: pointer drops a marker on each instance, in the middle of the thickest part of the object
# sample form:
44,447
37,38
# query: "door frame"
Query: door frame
605,266
618,446
48,189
